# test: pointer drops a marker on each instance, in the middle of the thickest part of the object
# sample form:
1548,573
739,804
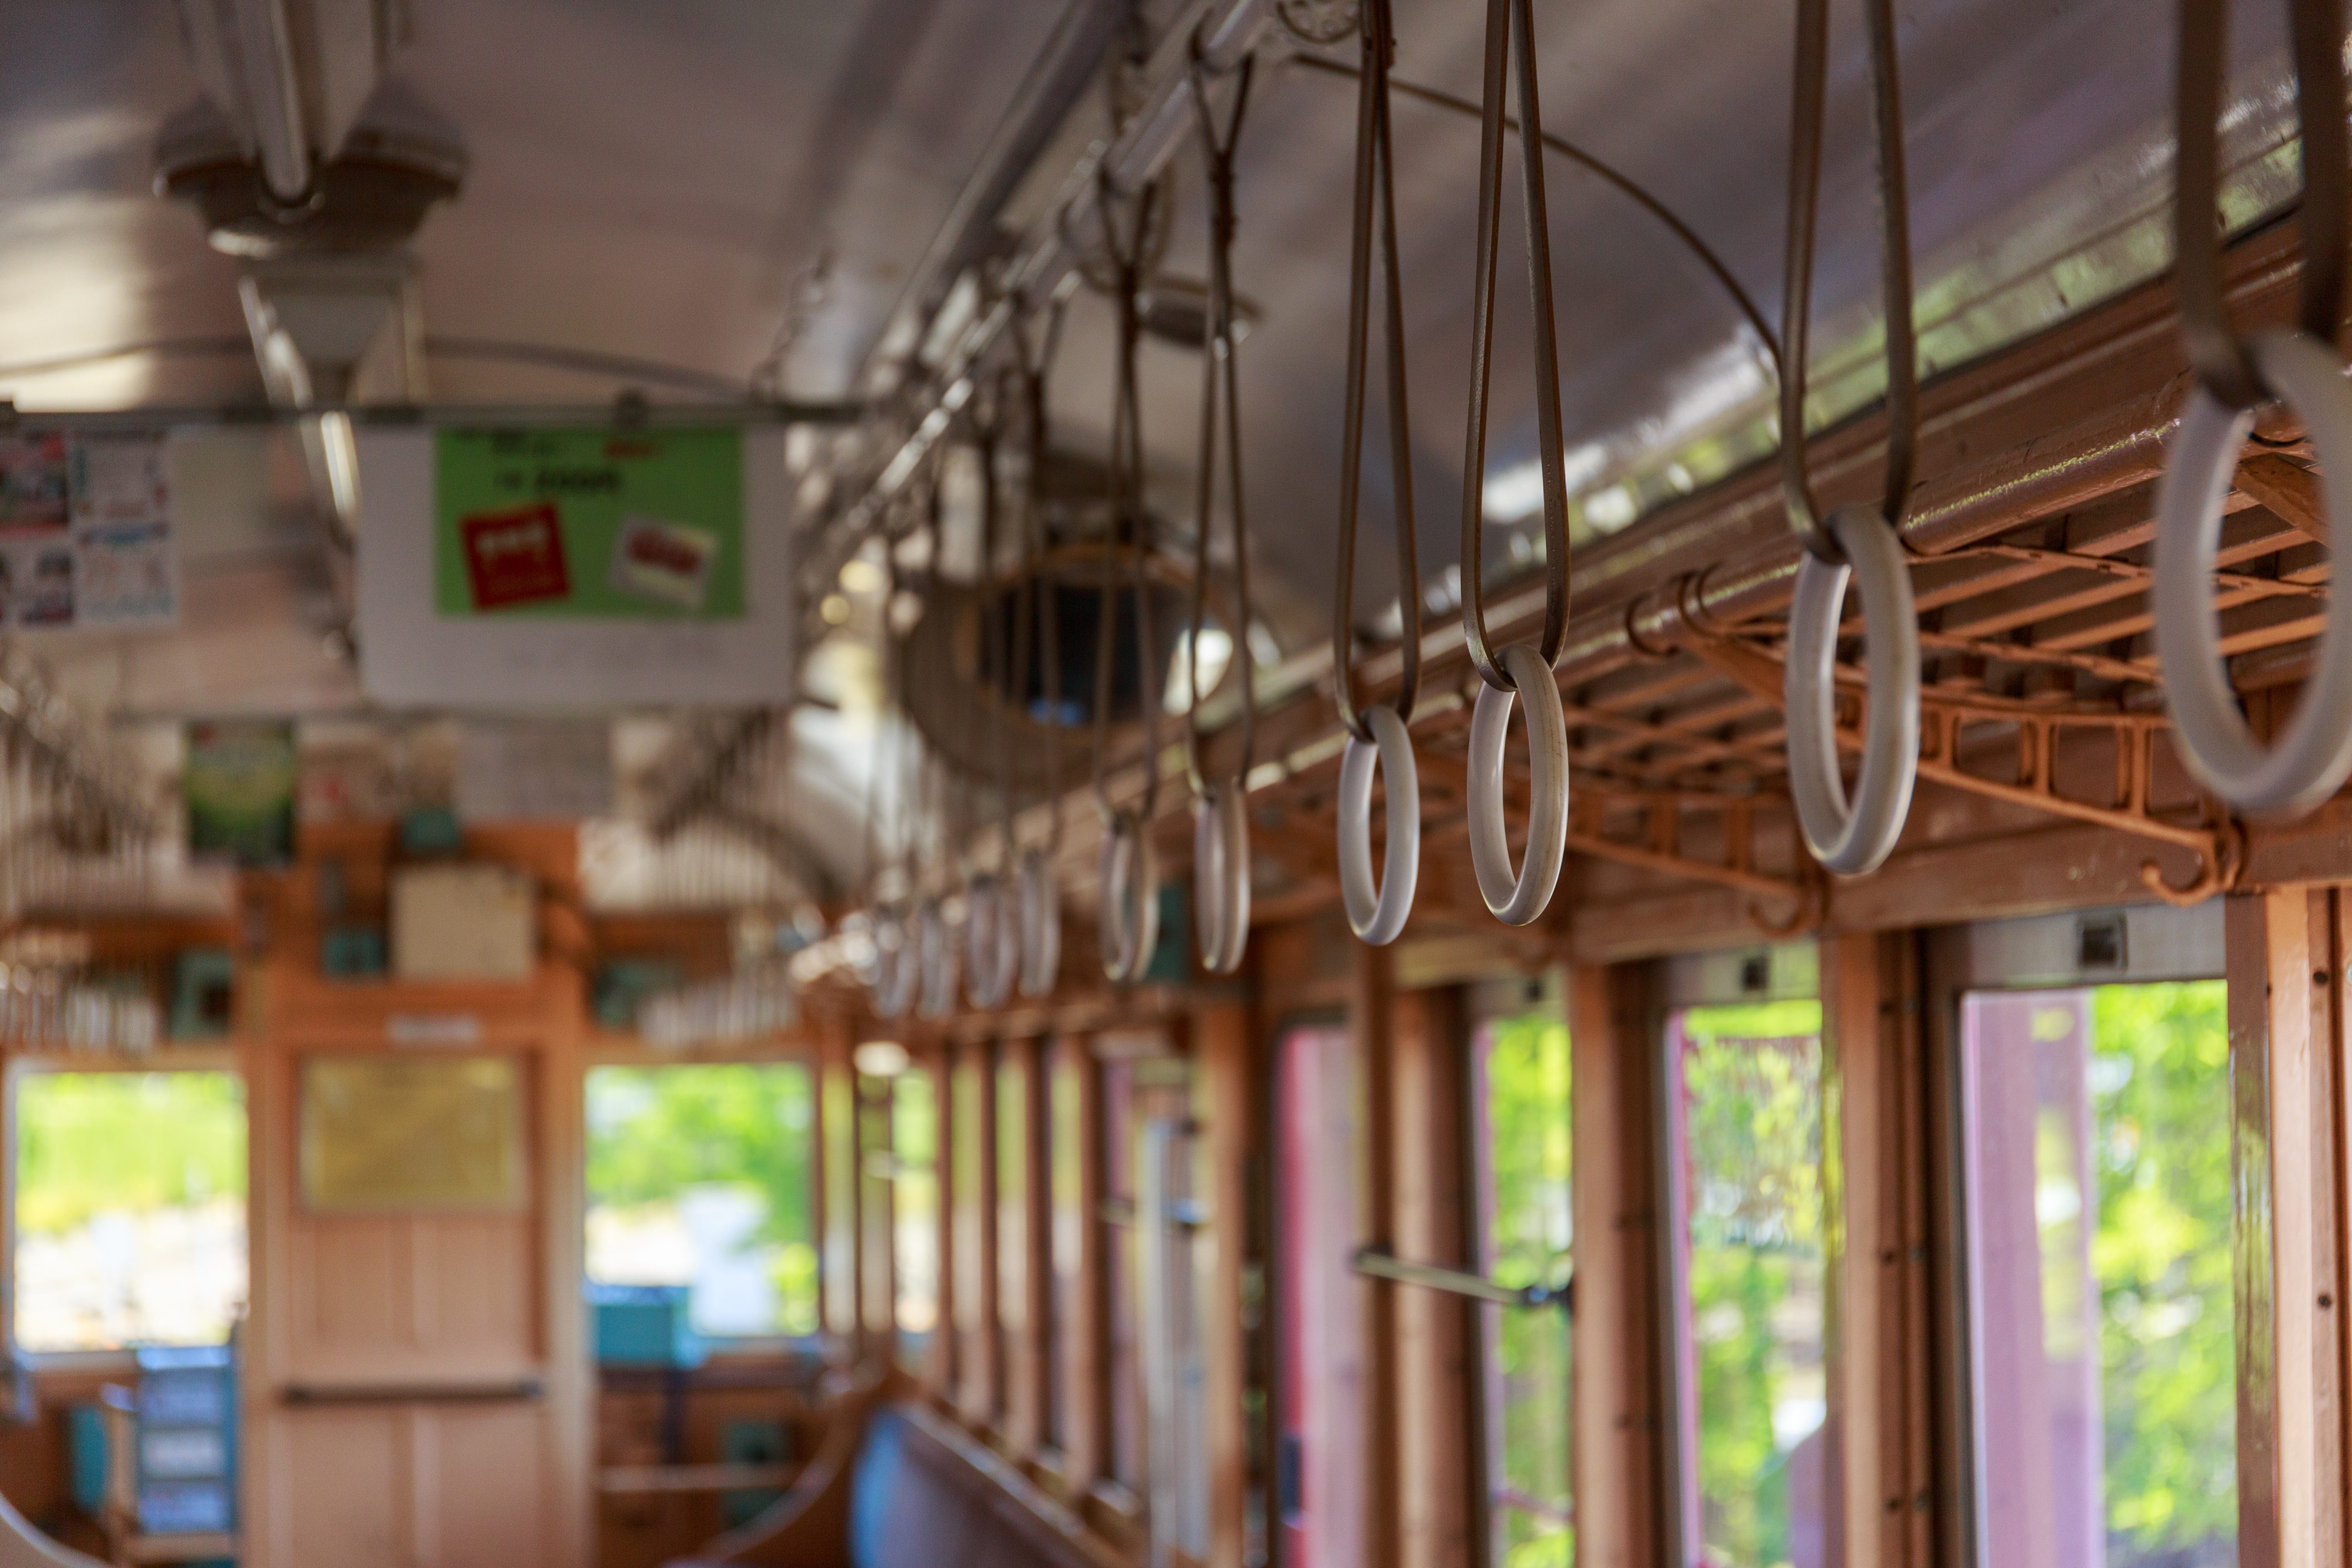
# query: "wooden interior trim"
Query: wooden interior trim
2284,1043
1440,1433
1372,1024
1077,1235
940,1365
1880,1338
1623,1424
1226,1068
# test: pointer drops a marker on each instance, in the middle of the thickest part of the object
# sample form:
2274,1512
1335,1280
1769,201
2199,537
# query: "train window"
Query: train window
129,1203
1520,1096
1020,1165
1745,1133
698,1175
1318,1360
915,1211
2096,1194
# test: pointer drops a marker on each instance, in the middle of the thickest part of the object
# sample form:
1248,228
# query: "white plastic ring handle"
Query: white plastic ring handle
1220,876
1131,899
936,949
1519,896
1854,840
894,965
992,942
1378,910
1040,925
2315,752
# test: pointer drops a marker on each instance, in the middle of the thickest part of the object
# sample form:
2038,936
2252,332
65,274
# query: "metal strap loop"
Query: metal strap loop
2314,753
936,956
2222,360
1131,907
1377,910
991,940
1041,924
1510,30
1854,840
1375,217
1220,876
1220,865
1129,523
894,964
1811,73
1517,897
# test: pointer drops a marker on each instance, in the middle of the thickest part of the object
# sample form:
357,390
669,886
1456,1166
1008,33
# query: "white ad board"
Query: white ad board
574,568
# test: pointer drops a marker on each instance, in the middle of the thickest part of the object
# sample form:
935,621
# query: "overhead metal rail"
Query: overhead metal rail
1225,31
262,416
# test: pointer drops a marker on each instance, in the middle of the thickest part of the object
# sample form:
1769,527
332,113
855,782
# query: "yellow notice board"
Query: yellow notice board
402,1132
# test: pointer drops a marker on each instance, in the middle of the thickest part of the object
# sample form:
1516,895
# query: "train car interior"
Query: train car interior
1175,783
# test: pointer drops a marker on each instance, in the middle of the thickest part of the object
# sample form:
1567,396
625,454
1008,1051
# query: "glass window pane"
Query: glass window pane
699,1175
2097,1193
1746,1130
1520,1091
129,1209
915,1211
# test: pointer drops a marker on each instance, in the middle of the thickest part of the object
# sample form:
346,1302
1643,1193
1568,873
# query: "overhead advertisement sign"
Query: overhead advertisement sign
589,524
569,567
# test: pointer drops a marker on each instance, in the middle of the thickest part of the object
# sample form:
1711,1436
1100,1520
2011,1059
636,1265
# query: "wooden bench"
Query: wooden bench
902,1487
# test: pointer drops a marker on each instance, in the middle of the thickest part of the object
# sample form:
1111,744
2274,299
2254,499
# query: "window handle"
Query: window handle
1376,1263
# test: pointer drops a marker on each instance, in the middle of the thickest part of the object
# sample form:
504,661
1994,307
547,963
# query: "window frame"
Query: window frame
741,1347
2158,943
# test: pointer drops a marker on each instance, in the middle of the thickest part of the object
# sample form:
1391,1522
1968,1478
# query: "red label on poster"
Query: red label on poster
516,556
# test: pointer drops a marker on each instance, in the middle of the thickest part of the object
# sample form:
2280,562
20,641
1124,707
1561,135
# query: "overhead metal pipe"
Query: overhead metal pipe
1227,31
274,79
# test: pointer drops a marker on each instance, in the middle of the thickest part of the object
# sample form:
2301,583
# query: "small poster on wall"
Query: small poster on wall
86,533
239,784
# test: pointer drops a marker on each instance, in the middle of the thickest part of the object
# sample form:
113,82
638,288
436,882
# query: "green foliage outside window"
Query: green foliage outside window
653,1133
1752,1082
1528,1236
88,1143
2160,1104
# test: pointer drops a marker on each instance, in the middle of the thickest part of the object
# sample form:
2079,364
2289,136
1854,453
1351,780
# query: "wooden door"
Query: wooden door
414,1394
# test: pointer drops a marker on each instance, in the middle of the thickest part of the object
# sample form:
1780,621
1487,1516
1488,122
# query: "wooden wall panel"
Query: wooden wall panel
344,1496
1371,1023
1621,1482
1437,1334
1879,1327
1227,1068
2286,1053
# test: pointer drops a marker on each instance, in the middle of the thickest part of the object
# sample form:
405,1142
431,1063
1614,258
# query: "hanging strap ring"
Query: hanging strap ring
1853,839
935,948
1517,897
992,942
1220,876
894,965
1131,899
1377,910
1041,924
2315,752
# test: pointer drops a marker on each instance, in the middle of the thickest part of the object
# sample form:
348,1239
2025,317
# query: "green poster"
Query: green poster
589,524
238,783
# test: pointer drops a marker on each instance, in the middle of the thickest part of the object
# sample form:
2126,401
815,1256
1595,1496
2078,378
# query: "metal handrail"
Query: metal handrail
1376,1263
